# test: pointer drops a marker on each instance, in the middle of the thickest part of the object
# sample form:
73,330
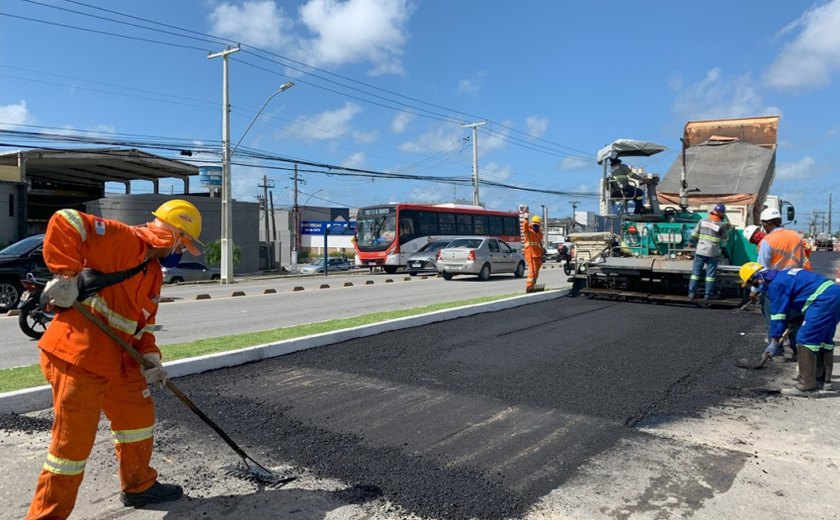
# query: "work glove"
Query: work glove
774,348
61,291
155,375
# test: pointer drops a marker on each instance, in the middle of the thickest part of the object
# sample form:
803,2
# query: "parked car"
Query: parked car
479,256
190,272
550,252
317,266
24,256
423,260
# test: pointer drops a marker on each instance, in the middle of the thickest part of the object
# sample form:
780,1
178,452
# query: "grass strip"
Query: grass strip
19,378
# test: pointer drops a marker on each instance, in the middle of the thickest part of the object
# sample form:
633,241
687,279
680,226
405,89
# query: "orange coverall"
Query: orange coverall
88,371
533,248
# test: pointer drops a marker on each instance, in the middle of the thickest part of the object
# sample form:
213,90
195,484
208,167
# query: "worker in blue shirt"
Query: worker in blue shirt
818,299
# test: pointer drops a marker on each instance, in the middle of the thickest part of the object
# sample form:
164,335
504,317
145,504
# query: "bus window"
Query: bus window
376,230
480,223
510,225
447,224
407,226
496,225
465,224
428,223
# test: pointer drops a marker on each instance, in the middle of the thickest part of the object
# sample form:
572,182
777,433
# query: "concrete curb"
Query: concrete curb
40,397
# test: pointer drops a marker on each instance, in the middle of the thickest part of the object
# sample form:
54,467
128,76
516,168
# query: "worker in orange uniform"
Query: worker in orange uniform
533,247
89,372
780,249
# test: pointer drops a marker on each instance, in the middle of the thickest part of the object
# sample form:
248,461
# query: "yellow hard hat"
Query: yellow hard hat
182,215
749,270
536,220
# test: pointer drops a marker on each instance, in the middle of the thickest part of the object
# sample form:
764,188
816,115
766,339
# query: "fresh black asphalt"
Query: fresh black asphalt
472,418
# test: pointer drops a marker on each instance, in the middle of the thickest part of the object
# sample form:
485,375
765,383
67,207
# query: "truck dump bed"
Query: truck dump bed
732,161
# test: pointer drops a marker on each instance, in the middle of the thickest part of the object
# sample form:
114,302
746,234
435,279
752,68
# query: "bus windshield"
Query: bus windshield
376,228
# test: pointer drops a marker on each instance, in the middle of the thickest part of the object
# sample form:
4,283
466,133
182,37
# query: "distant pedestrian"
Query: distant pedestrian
709,235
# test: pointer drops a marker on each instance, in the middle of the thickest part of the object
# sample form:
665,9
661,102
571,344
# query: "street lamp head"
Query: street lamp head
286,86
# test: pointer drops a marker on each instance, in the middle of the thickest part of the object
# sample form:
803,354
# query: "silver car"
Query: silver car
479,256
190,272
423,260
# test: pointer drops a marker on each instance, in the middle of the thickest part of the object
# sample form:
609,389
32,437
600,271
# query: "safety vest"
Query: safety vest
533,241
708,234
622,175
75,240
786,250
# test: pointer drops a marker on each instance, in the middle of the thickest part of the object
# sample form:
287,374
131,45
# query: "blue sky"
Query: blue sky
384,85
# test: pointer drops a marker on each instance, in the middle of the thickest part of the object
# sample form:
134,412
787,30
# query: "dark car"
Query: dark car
25,256
317,266
423,260
190,272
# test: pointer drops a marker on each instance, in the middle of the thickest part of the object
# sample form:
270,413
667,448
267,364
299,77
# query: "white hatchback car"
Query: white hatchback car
481,256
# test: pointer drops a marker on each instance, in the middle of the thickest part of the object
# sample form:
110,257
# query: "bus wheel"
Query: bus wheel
390,269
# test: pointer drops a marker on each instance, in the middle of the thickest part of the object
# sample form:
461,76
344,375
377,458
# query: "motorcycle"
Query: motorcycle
33,319
568,261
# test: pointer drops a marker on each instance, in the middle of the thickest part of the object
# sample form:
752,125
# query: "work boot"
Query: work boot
155,494
824,370
807,386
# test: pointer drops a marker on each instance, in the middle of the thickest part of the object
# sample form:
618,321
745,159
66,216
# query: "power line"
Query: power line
286,61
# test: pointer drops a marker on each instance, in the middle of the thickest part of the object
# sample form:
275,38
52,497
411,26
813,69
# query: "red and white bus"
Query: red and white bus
387,234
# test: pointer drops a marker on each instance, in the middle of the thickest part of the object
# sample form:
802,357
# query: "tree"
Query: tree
213,253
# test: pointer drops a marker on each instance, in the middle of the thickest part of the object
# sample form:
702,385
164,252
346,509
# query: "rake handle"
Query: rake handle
145,363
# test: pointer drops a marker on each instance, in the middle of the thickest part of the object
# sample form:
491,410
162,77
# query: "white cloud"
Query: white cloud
536,125
354,161
15,115
260,23
400,122
814,54
438,140
801,169
331,124
472,86
366,137
717,96
495,141
494,172
573,163
437,193
355,31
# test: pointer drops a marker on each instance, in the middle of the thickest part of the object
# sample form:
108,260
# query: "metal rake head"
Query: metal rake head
254,472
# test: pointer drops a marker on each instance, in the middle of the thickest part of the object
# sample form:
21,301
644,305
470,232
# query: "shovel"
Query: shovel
253,470
746,363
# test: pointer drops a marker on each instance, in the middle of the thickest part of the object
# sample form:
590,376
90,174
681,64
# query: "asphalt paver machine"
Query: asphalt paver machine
647,256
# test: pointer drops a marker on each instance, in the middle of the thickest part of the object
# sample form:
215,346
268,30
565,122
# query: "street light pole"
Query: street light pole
227,215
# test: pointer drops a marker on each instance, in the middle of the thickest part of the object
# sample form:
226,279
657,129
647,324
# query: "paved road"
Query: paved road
568,409
187,319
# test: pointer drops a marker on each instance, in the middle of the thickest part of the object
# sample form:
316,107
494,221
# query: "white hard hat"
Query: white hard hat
749,231
770,214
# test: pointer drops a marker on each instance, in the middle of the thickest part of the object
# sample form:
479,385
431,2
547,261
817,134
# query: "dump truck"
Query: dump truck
647,256
823,242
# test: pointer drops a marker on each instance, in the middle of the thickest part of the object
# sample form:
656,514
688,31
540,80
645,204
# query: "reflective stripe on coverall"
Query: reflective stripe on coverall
817,298
533,249
90,373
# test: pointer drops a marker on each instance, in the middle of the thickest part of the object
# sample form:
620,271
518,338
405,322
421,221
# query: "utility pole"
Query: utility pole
829,214
227,201
295,222
574,204
544,225
474,127
265,185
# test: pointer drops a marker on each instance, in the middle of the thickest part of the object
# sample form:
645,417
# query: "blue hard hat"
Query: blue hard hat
719,209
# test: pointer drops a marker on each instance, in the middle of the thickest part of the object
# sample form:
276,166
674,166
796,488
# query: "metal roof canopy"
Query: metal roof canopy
97,166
